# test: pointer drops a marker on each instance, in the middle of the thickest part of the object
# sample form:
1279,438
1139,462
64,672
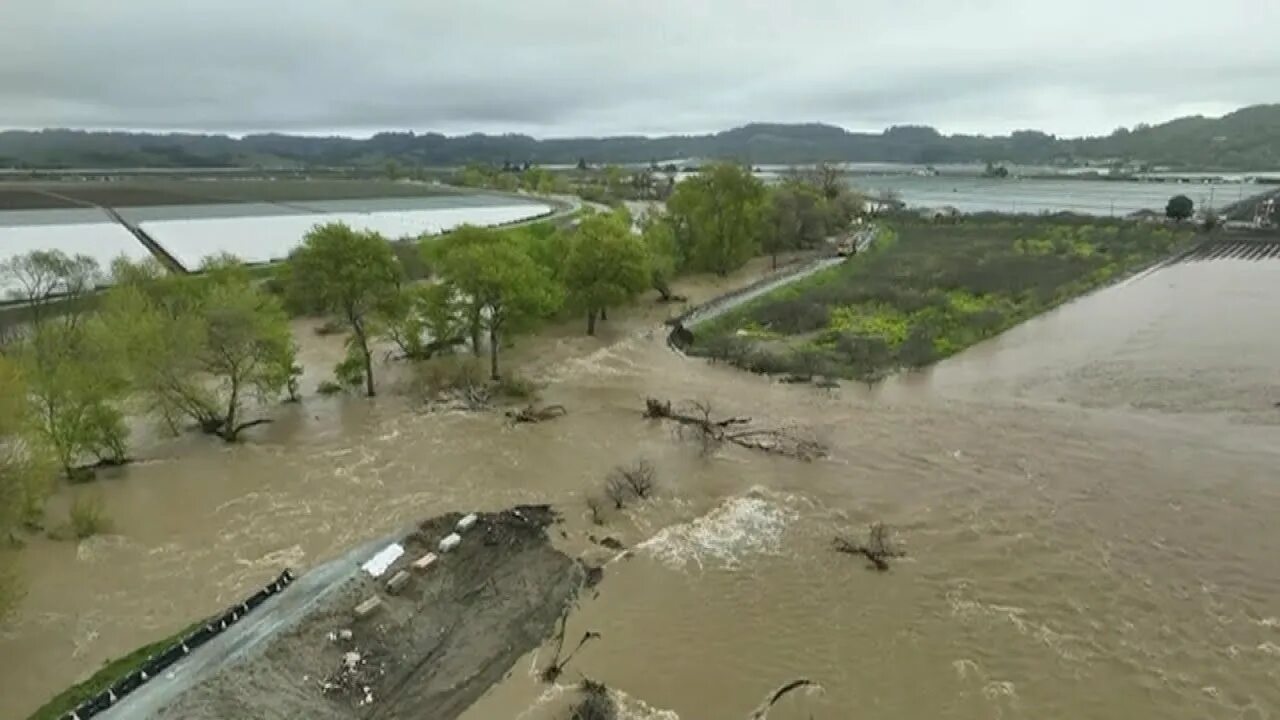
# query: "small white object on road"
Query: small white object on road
465,523
450,542
378,564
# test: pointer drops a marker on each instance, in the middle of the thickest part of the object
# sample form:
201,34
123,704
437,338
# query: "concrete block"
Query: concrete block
425,561
467,522
450,542
398,581
368,606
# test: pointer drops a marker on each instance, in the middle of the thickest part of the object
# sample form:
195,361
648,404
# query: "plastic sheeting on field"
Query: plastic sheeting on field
267,239
104,242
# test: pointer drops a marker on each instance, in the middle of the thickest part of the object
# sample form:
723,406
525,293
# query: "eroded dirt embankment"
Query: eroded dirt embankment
430,650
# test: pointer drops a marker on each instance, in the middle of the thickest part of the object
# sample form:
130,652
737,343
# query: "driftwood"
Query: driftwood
698,422
535,414
762,712
878,548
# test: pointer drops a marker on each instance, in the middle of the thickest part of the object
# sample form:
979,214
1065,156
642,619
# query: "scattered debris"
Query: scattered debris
878,548
609,542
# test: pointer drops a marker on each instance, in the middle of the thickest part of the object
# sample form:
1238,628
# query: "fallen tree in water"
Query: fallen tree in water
697,422
553,671
878,548
536,414
762,712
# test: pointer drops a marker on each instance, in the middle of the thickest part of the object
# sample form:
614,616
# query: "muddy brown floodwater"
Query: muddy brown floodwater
1088,503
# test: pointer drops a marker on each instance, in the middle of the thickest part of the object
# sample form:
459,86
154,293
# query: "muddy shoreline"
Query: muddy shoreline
432,647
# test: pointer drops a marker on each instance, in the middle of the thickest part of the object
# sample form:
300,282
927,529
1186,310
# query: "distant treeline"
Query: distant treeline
1248,139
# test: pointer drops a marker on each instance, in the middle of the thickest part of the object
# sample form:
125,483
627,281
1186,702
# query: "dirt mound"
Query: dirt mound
429,650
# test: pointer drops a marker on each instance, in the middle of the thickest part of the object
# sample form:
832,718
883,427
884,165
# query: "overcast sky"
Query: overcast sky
593,67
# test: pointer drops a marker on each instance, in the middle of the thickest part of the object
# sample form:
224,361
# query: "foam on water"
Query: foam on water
750,524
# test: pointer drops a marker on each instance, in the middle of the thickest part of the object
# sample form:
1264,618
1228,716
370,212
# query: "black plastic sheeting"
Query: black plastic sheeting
157,664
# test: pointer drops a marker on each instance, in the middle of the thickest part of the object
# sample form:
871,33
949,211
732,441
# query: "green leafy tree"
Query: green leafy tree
796,217
504,289
350,273
423,320
719,211
199,347
24,475
1180,208
607,265
75,386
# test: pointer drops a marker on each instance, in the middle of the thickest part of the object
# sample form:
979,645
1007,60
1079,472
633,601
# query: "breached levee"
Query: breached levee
441,631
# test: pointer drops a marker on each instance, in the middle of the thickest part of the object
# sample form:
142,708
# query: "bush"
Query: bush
446,373
329,387
515,387
88,516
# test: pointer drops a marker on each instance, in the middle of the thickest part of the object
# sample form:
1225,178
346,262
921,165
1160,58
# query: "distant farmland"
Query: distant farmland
20,195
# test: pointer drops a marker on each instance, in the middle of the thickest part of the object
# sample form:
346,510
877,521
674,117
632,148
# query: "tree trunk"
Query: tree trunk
591,322
229,424
775,260
603,316
493,353
368,361
475,332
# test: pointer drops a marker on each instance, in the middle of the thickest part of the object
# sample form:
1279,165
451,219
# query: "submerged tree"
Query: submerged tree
75,385
660,241
607,265
198,347
350,273
503,289
24,477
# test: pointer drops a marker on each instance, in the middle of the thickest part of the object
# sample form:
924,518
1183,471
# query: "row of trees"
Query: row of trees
199,349
188,349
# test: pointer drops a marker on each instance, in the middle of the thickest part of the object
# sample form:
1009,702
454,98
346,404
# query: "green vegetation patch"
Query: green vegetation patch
927,291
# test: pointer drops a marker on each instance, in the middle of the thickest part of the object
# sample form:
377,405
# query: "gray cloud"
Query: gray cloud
565,67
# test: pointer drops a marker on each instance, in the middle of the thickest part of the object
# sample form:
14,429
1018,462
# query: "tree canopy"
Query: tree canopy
198,347
607,265
23,473
717,215
350,273
1180,208
501,288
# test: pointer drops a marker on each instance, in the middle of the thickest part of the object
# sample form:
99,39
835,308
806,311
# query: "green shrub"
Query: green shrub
88,516
329,387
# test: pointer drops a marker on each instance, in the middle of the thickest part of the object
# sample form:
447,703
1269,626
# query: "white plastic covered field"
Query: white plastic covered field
270,238
104,242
